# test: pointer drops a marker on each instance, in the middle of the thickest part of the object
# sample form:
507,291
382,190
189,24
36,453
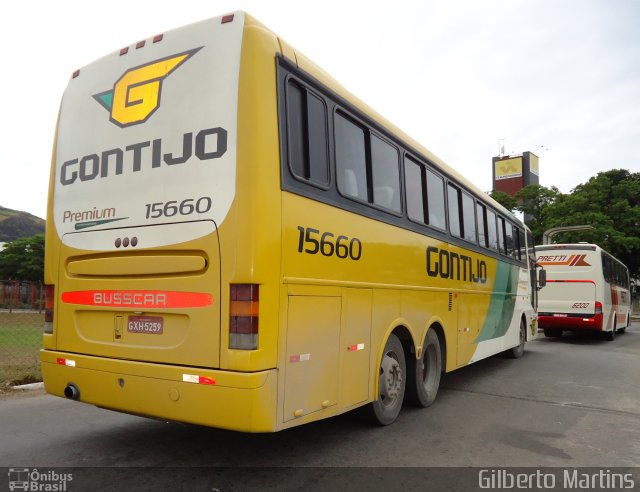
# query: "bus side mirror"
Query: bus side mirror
542,278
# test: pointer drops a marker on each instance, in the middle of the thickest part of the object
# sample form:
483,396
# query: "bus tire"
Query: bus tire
423,375
391,385
518,351
610,336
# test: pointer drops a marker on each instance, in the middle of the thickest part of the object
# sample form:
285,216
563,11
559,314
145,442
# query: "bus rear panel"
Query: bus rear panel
143,204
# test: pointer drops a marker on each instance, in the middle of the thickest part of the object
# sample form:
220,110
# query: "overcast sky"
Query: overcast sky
560,78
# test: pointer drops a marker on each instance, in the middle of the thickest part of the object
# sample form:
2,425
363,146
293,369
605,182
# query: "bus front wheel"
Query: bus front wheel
391,384
423,379
518,351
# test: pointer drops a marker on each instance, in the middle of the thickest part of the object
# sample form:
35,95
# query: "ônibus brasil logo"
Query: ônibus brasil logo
136,95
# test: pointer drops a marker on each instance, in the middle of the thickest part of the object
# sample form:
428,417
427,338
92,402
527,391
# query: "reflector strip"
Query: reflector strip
194,378
299,358
138,298
66,362
354,348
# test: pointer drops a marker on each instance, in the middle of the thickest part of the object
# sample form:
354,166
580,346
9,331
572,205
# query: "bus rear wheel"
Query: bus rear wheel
624,328
391,384
423,379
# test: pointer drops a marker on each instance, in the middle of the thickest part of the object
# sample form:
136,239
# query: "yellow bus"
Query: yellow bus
234,240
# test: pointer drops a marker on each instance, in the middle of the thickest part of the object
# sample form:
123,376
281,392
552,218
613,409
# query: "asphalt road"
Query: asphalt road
570,402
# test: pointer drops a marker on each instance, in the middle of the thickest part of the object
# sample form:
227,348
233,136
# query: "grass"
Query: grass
20,342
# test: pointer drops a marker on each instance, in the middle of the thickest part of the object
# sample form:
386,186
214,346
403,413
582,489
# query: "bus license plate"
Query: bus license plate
145,324
560,315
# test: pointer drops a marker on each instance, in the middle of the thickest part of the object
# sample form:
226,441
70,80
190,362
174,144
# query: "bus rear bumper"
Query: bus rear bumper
216,398
570,322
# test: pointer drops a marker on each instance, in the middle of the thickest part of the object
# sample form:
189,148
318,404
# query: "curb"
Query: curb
26,387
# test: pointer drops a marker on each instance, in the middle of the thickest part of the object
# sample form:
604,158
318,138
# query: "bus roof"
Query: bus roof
574,246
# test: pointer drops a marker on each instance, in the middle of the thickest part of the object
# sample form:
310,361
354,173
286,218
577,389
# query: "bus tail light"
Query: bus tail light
49,298
598,317
243,316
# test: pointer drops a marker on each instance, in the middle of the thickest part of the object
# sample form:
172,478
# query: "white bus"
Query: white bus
587,289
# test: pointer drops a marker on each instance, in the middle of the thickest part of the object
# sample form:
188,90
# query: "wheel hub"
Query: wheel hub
391,378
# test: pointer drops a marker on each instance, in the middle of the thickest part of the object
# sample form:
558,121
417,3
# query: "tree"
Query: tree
23,259
504,199
610,203
535,200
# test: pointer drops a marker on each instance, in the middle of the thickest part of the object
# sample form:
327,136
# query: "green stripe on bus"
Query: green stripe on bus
502,304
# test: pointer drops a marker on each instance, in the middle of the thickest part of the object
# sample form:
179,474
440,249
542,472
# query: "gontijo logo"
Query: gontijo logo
136,95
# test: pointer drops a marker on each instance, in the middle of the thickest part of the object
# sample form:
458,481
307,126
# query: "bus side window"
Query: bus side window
481,216
351,163
606,268
415,185
435,201
491,229
469,217
502,247
385,174
307,135
522,253
509,239
453,202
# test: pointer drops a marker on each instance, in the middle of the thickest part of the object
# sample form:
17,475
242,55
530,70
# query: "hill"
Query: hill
15,224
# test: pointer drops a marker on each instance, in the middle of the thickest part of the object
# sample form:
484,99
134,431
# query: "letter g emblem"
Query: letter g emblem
136,95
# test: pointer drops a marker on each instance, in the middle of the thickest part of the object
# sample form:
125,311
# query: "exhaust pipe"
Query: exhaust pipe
72,392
